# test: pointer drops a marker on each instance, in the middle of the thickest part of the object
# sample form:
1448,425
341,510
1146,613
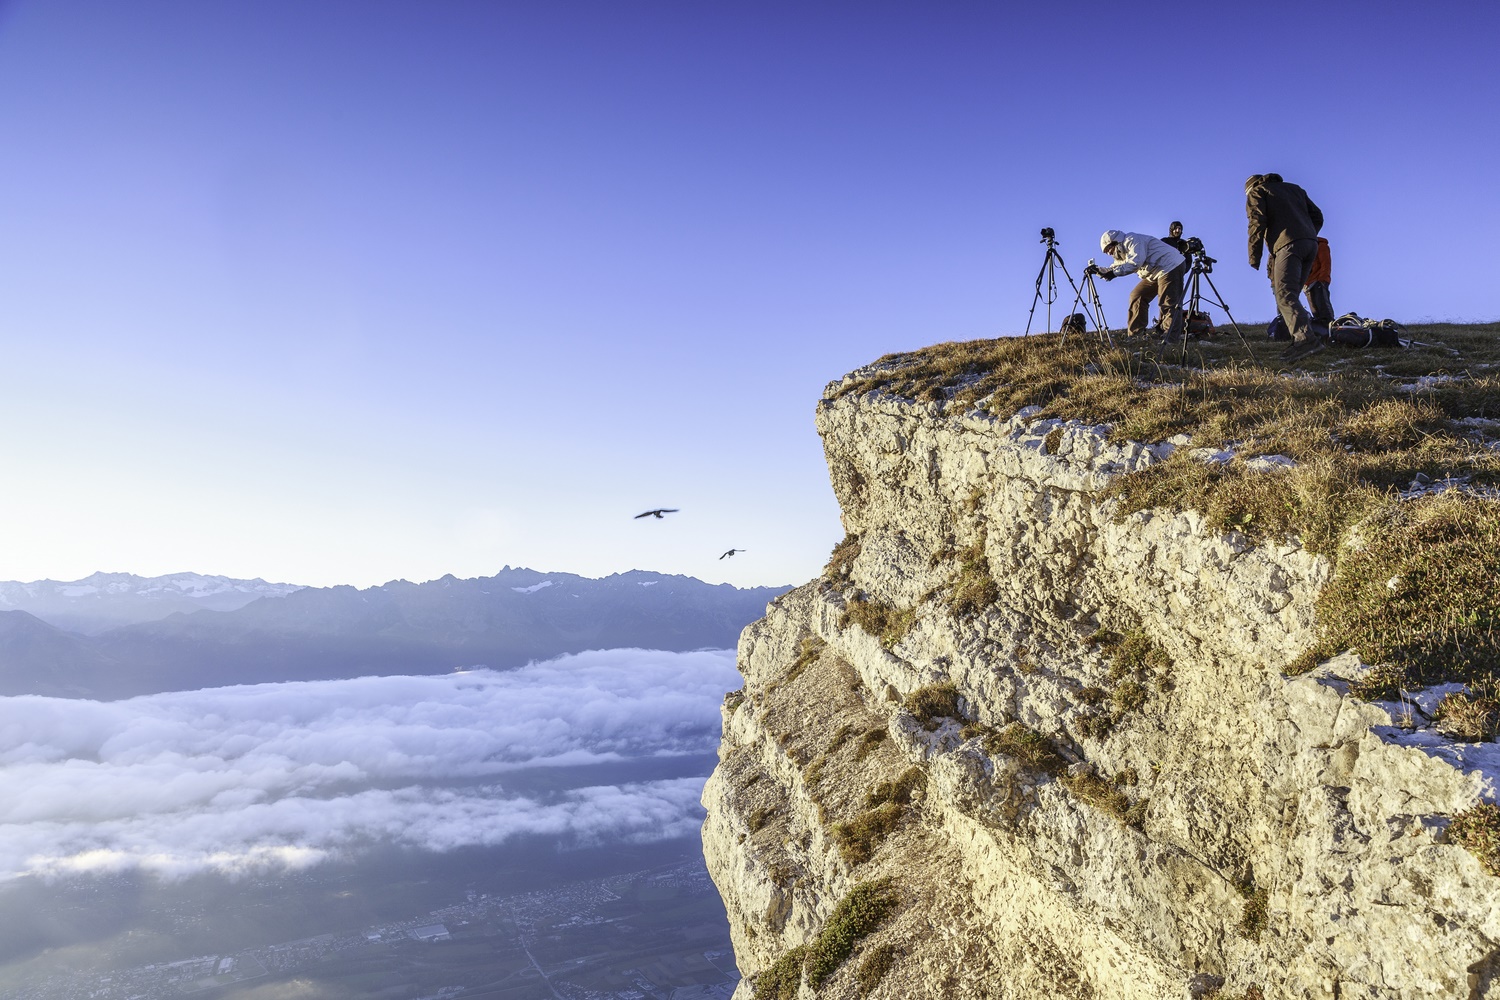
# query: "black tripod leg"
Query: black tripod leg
1225,306
1088,282
1099,323
1038,297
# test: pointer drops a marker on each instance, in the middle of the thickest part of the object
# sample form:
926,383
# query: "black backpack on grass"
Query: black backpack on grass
1353,330
1076,323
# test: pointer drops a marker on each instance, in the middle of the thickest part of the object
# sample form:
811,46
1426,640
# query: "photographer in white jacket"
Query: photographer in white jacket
1161,270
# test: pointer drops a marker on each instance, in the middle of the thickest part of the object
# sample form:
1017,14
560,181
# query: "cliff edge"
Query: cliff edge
1107,693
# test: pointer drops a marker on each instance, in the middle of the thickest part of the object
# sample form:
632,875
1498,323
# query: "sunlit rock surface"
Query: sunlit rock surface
1208,823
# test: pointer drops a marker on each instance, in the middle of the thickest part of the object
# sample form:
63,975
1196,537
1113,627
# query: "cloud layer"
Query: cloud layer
285,775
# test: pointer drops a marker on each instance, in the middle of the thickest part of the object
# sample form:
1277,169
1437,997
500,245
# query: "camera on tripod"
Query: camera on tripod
1091,268
1201,260
1048,234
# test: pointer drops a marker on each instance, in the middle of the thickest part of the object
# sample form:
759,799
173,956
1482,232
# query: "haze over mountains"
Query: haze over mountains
189,631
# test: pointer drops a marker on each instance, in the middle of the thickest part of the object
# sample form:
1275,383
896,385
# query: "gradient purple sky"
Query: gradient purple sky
340,292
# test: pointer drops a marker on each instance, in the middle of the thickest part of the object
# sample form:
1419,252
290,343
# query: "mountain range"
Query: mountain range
289,633
108,600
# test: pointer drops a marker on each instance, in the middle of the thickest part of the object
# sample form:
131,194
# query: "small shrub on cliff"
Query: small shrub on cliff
900,791
733,700
812,647
944,553
1471,716
1257,911
1128,696
1133,654
840,737
885,622
783,980
858,838
759,817
1094,725
1028,746
813,773
1089,787
1092,695
975,590
868,742
1478,830
874,966
841,561
934,702
858,914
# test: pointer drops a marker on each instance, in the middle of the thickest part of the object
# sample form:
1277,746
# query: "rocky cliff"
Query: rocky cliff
1017,743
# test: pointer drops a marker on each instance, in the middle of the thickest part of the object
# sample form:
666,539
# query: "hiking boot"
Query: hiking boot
1303,348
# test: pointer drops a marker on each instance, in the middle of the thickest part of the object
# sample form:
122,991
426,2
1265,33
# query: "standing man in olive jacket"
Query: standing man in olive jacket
1285,220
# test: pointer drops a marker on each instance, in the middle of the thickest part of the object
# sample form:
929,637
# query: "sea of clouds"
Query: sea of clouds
248,778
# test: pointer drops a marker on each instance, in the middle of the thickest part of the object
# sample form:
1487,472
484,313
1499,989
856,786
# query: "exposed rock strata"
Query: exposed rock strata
1209,822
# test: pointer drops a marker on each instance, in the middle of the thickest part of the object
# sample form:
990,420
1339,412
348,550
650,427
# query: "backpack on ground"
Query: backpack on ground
1076,323
1276,330
1199,325
1354,330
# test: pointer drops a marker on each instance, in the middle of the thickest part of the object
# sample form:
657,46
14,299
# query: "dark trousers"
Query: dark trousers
1322,305
1289,267
1167,291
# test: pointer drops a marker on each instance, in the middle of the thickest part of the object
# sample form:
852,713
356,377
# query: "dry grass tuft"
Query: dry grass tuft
1028,746
841,560
885,622
874,966
1088,787
1257,912
1420,597
812,647
858,838
909,785
933,703
1471,716
975,589
1478,830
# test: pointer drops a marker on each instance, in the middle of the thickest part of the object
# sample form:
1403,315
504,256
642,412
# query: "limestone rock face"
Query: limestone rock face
1128,798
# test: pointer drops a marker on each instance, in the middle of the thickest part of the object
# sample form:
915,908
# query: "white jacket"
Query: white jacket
1139,254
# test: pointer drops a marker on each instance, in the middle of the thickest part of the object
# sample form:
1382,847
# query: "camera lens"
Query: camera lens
1048,234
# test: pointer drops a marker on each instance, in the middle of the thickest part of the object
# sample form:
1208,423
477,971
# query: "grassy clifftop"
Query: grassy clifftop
1389,464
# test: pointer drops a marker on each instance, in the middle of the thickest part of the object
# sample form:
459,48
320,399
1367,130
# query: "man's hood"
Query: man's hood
1111,236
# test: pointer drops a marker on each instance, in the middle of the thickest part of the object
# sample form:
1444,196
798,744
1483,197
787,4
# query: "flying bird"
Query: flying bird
732,552
657,513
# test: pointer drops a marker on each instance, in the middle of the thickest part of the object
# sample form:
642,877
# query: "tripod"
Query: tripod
1203,266
1050,263
1093,309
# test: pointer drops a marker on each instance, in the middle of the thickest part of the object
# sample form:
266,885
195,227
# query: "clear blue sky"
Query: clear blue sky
345,292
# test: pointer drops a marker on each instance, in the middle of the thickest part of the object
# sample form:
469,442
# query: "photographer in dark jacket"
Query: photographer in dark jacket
1284,219
1174,238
